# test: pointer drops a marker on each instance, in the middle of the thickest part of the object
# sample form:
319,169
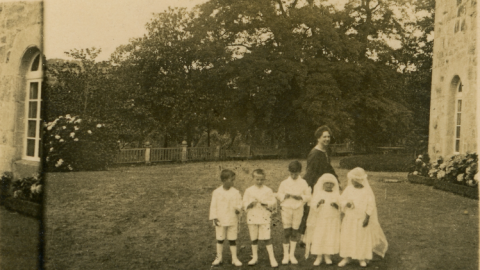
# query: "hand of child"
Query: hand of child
334,205
252,204
216,222
365,222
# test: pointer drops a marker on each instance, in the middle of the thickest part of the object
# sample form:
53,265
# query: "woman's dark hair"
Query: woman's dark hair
320,130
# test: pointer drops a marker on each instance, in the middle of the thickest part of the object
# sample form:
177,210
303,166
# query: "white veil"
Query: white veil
380,244
318,194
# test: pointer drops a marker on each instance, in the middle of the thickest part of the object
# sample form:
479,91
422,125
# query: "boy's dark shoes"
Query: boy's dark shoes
334,205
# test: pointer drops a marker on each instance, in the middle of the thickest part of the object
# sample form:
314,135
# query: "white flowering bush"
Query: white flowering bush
459,169
29,189
421,166
74,144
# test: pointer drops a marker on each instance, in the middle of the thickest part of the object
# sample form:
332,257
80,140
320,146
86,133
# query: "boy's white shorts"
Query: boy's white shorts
259,231
229,232
291,218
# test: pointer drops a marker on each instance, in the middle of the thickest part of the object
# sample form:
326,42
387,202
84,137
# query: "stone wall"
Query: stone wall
454,62
21,34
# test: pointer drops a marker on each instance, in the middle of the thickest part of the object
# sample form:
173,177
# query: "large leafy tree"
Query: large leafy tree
300,67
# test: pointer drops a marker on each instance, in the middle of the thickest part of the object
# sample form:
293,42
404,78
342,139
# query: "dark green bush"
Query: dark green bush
379,163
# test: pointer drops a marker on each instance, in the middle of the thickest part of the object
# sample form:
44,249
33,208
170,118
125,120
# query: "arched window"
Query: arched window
458,117
33,105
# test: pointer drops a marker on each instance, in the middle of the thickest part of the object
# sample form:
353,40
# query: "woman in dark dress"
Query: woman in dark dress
318,163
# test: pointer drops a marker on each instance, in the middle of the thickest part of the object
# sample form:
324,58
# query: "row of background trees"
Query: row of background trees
262,72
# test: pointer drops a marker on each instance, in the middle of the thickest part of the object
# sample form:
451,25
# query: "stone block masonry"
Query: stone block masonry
21,35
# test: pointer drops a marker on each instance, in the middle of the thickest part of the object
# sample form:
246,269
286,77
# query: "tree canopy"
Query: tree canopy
270,70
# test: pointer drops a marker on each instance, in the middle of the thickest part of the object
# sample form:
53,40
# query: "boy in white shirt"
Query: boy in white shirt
224,210
259,202
293,193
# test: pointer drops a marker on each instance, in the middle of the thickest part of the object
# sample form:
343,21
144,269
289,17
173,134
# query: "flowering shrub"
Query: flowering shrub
422,166
73,144
460,169
29,189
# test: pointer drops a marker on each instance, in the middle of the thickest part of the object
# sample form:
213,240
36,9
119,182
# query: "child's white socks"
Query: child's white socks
235,260
254,255
271,256
293,245
218,260
286,258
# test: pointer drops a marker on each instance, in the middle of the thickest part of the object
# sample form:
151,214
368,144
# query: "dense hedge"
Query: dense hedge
379,163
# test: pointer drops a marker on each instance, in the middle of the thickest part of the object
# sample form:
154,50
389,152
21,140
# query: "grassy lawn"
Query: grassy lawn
156,217
19,241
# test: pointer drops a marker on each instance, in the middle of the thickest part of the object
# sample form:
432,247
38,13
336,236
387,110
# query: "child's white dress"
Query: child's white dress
356,241
323,223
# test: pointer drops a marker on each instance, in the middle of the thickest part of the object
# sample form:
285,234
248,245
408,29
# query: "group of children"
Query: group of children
355,236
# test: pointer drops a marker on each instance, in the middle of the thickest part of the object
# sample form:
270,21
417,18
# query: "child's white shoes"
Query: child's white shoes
271,256
318,261
363,264
343,262
217,261
328,260
237,263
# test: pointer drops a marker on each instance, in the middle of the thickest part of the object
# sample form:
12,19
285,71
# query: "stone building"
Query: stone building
21,76
453,121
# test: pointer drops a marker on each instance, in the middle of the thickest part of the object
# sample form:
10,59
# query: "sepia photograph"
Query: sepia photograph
239,134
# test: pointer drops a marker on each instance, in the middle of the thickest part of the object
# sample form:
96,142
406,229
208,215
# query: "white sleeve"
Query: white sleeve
213,207
247,199
281,192
370,205
343,199
306,194
238,201
270,199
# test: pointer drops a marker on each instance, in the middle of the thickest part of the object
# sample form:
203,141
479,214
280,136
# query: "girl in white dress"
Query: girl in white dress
360,233
323,223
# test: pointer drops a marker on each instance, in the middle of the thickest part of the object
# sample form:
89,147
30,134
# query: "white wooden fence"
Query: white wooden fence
184,153
147,155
